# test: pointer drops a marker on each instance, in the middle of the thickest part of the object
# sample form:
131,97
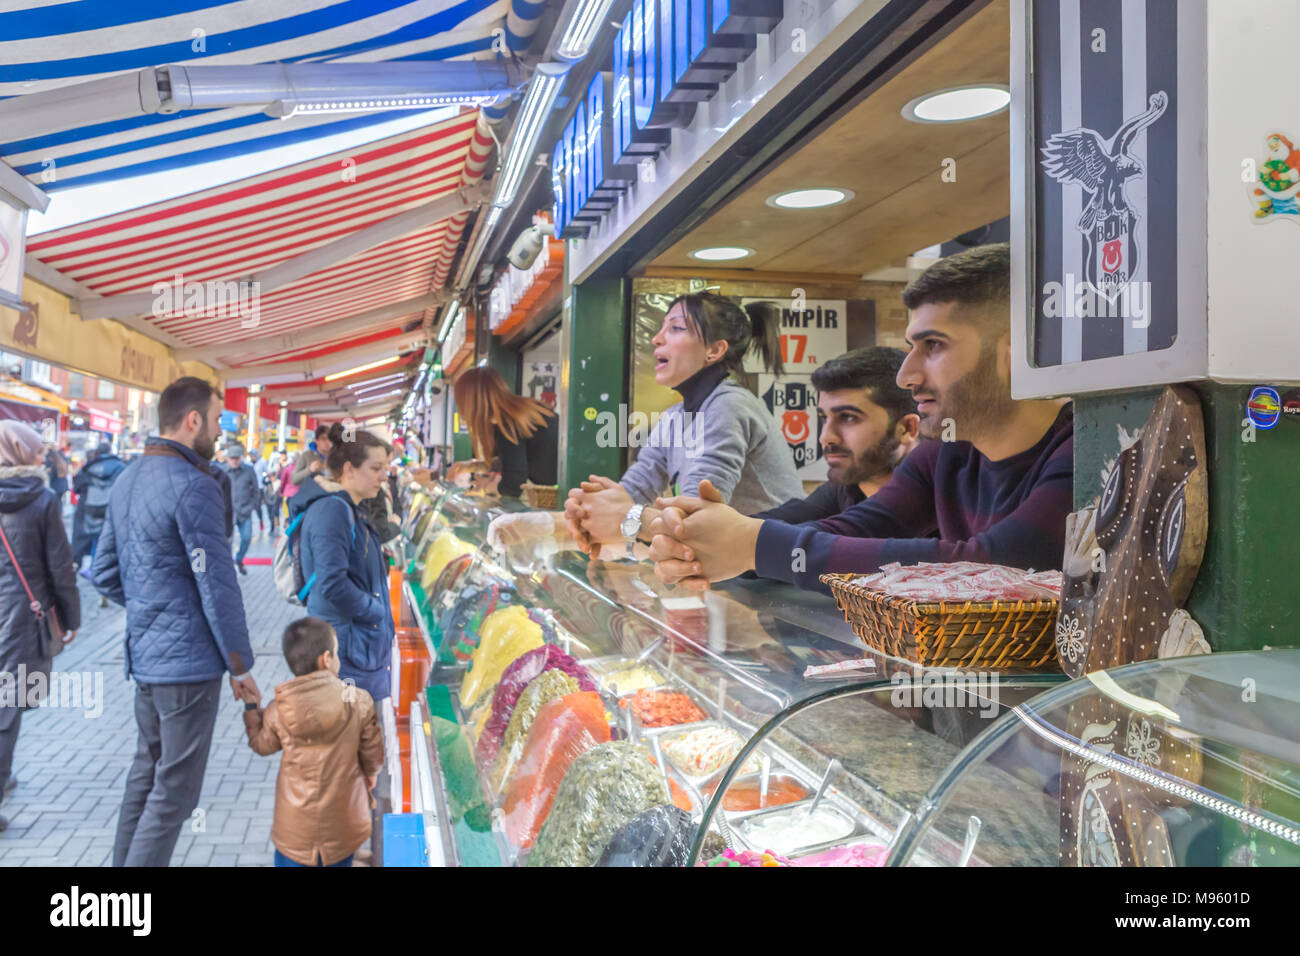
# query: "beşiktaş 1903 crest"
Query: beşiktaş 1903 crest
1103,167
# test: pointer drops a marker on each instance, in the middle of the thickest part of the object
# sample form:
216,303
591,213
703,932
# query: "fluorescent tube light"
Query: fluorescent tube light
536,107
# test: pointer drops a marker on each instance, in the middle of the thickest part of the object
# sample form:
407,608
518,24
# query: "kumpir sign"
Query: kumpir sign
669,56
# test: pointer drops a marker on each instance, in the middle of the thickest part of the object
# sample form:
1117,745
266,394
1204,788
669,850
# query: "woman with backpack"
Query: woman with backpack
35,567
343,561
91,485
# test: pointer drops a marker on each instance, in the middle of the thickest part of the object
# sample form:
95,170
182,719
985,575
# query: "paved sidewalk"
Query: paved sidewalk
71,765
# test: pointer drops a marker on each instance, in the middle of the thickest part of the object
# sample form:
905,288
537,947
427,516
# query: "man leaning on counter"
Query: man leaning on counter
993,476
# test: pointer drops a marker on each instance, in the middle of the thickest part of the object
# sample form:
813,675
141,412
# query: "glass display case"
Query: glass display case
1191,761
546,662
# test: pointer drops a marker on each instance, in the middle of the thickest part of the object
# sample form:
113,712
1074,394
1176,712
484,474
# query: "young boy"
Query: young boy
333,749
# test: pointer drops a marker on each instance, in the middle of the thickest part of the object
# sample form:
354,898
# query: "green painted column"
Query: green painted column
593,379
505,361
1245,594
461,447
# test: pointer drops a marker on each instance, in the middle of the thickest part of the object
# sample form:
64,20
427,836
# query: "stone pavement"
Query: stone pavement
71,763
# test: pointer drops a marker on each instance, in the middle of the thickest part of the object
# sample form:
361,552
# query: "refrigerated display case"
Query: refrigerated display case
685,680
1191,761
675,729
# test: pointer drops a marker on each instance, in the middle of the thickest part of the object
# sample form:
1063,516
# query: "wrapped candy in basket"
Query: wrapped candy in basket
963,614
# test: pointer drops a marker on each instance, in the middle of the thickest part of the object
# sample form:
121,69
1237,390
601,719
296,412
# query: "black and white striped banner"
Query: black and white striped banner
1105,172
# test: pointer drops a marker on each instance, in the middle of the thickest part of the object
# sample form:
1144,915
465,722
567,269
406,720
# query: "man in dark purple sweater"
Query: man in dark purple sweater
995,482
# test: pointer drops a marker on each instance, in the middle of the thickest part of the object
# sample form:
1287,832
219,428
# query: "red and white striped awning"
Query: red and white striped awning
231,232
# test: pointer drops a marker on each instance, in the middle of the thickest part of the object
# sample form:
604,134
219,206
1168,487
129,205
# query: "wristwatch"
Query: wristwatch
632,523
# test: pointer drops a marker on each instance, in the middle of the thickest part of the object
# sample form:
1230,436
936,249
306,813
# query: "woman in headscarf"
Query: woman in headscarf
35,549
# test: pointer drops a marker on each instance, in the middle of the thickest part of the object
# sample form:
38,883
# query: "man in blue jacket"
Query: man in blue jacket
163,553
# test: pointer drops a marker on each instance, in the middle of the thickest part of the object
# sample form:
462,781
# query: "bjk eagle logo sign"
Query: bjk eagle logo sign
1103,167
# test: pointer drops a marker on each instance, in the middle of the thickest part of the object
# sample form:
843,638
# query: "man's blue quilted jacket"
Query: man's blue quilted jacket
164,554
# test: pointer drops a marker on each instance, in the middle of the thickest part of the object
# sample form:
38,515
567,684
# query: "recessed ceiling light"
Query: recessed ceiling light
958,104
721,253
810,198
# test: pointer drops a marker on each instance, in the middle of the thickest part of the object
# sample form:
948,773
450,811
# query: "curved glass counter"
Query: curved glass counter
688,680
1190,761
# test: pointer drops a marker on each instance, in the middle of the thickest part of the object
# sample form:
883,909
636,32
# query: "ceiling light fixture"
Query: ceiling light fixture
520,149
585,20
362,368
721,253
815,198
383,383
448,319
367,382
958,104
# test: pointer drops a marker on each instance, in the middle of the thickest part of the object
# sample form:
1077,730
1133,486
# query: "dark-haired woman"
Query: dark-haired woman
36,559
720,430
343,560
519,431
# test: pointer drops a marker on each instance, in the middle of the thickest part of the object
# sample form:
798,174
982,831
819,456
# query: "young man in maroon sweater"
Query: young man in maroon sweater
995,480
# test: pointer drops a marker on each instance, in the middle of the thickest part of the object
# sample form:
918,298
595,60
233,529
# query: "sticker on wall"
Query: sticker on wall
1264,407
541,383
1291,405
1273,195
792,401
1102,168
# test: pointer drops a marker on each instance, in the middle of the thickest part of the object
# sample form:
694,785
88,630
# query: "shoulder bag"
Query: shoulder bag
49,632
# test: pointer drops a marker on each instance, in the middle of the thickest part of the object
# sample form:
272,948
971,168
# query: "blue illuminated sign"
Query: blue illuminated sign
669,55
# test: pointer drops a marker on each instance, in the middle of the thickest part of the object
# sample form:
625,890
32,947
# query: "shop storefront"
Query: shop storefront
750,727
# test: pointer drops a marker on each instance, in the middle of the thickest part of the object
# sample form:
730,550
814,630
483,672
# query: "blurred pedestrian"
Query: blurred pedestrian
245,495
35,569
164,556
91,484
271,491
56,465
333,750
311,460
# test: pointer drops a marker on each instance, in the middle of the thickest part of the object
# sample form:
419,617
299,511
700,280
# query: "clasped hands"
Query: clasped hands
693,540
594,513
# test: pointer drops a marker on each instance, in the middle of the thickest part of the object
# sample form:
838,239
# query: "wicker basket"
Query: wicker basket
992,635
543,497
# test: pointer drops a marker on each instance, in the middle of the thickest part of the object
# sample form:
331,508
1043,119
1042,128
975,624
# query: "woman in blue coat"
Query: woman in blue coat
345,566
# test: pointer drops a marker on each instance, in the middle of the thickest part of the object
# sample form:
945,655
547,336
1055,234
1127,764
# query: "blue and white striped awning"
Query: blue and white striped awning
46,44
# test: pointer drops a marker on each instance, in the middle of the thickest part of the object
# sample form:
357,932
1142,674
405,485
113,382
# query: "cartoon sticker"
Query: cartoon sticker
1274,195
1264,407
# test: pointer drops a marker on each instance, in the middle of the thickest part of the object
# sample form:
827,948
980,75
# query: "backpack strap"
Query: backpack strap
293,527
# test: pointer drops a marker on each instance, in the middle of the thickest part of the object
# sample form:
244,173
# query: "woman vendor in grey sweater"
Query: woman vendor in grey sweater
720,431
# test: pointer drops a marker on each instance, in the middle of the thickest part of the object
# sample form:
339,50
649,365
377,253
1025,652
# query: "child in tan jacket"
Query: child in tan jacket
333,749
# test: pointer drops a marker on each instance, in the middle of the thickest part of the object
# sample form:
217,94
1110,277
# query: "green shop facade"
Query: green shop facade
1171,277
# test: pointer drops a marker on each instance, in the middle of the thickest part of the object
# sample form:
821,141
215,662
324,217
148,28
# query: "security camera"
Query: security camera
526,248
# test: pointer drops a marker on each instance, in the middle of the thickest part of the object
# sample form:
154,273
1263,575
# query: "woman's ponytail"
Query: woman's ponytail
753,327
765,334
